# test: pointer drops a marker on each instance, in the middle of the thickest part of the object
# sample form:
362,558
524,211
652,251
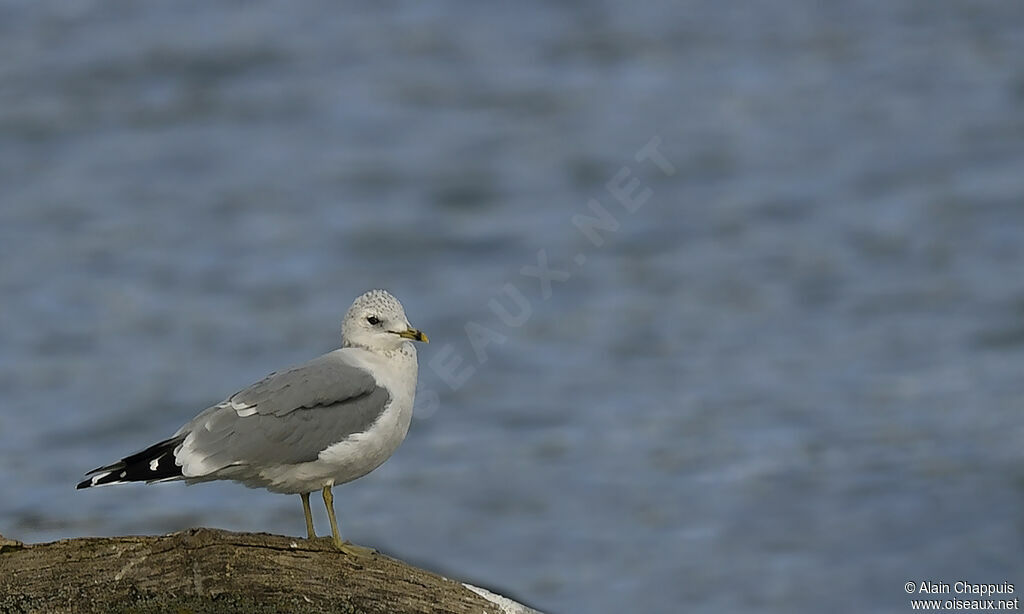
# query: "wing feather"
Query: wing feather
288,417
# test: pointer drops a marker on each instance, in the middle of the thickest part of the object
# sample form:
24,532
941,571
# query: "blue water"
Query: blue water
790,381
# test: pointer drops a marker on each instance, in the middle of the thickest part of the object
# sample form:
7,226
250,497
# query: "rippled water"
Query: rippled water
790,381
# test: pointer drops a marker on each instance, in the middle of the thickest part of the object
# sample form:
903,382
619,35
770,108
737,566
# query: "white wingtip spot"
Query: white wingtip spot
153,464
123,474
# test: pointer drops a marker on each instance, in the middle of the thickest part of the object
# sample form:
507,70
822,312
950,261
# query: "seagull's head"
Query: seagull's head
376,321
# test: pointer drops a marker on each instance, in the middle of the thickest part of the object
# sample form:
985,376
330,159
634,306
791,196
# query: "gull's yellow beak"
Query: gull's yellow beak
414,334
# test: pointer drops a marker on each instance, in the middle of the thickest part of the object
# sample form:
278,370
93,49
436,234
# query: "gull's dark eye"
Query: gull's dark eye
373,320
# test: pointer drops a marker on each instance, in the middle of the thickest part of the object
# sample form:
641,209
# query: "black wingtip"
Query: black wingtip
152,464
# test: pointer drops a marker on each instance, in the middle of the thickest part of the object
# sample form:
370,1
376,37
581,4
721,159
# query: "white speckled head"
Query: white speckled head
376,321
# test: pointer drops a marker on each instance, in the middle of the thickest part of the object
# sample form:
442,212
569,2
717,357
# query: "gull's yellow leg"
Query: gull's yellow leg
346,547
310,531
329,503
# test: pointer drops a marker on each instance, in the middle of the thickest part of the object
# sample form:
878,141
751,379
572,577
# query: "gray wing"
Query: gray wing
288,417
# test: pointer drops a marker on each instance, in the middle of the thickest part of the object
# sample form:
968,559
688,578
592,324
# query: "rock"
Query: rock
213,571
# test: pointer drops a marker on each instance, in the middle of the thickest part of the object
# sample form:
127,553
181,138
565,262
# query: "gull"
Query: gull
306,428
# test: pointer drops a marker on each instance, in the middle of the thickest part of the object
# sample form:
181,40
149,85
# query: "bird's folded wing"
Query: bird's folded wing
325,380
288,417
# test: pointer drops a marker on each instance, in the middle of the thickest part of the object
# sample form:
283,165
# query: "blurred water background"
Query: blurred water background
790,382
